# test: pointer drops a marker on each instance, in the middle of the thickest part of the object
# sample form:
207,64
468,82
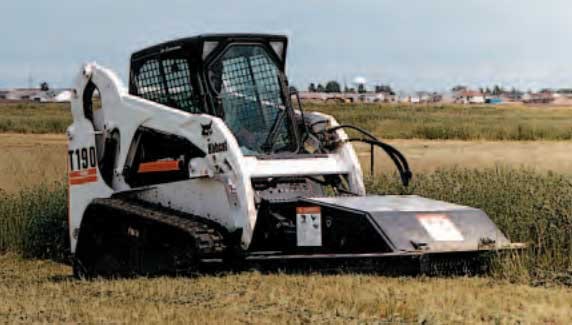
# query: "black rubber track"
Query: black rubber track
209,241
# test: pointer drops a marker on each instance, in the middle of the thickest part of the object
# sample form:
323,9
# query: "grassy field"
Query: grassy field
459,122
527,206
34,118
43,157
389,121
37,291
525,187
30,159
429,155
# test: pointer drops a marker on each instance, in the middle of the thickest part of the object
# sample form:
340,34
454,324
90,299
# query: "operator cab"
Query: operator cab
237,77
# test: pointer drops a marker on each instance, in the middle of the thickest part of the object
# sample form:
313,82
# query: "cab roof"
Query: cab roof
194,44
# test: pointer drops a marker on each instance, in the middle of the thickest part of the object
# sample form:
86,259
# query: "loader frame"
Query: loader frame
219,182
164,171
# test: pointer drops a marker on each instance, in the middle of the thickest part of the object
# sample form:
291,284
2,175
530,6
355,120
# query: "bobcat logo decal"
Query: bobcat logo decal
207,129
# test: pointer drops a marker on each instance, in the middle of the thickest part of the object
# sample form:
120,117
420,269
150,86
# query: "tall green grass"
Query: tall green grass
33,222
34,118
527,206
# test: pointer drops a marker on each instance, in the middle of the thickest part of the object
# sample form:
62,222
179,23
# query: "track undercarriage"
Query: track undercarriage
131,237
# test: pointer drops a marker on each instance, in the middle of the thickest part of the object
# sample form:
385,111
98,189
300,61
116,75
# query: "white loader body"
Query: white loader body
204,157
219,191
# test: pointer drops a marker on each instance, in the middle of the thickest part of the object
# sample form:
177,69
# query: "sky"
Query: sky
409,44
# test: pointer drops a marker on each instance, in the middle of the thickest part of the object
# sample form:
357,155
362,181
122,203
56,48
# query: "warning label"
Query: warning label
309,226
439,227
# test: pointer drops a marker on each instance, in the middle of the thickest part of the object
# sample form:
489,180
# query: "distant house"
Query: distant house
20,94
512,96
63,96
469,97
424,97
538,98
35,95
379,97
411,99
429,97
368,97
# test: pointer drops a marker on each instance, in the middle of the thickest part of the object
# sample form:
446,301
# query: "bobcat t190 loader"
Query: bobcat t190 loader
206,156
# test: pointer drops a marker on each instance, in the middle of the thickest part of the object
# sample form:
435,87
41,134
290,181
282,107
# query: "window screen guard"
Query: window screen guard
166,81
248,84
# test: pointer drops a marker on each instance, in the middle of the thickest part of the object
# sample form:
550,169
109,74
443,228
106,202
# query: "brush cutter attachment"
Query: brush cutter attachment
416,224
386,234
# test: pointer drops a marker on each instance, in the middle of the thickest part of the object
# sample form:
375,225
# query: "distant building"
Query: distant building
380,97
63,97
35,95
538,98
469,97
512,96
429,97
410,99
368,97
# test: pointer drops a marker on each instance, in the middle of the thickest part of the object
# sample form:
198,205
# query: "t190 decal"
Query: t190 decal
82,166
82,158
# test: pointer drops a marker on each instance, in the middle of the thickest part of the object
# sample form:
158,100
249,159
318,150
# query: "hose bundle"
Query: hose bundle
396,156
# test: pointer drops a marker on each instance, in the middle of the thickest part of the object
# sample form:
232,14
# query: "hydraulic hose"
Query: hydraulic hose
397,157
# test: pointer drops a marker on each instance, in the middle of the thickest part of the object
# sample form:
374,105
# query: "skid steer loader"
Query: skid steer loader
207,156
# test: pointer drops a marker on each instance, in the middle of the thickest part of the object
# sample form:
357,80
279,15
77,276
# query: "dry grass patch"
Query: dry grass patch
52,296
428,155
31,159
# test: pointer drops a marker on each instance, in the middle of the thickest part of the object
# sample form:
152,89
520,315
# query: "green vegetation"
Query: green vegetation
388,121
461,122
33,222
34,118
528,207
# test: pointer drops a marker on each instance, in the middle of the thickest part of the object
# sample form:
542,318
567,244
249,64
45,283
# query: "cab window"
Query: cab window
166,81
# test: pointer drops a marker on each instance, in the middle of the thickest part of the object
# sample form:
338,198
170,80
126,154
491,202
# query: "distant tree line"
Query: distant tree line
495,90
333,86
498,90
